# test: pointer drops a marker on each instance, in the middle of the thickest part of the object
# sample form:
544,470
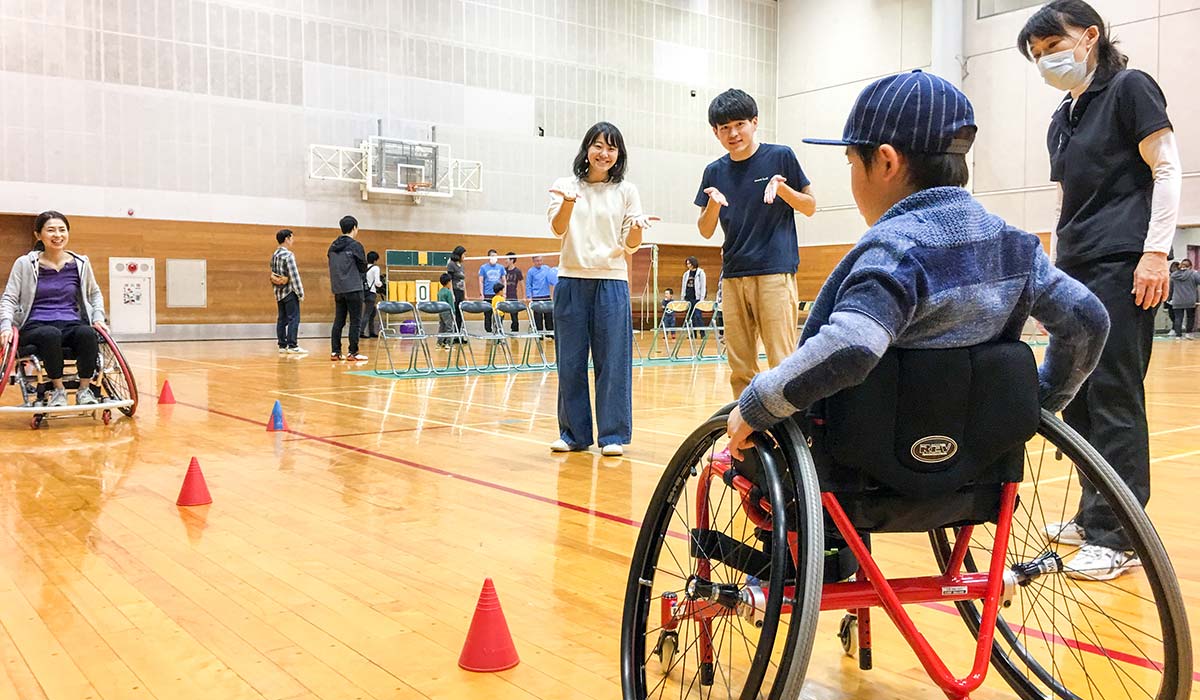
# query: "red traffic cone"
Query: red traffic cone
489,646
276,422
194,491
166,395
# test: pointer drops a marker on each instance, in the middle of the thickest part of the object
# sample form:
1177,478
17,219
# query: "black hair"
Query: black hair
1057,16
372,257
668,290
445,279
511,256
731,106
926,170
348,224
42,219
497,288
282,235
693,262
458,253
492,251
612,136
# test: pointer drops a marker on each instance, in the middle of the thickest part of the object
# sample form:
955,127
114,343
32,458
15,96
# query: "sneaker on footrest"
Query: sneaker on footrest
1096,563
1067,532
86,397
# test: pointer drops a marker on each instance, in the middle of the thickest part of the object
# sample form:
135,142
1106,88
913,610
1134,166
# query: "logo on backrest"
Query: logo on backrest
934,449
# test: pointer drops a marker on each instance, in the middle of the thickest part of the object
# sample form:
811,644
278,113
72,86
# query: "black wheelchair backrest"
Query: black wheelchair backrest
928,422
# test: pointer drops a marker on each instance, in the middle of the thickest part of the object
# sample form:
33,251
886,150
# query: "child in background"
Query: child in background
497,297
446,318
668,315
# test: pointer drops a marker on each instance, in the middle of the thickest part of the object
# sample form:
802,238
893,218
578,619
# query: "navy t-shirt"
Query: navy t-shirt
760,238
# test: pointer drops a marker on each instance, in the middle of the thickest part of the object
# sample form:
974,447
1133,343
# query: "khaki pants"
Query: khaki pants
758,307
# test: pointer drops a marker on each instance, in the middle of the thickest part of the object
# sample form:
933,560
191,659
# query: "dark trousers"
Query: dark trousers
50,337
369,314
460,295
1110,409
593,316
542,319
1184,320
515,319
287,321
350,303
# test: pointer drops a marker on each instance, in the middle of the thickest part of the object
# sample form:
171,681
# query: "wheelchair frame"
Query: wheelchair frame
708,599
33,385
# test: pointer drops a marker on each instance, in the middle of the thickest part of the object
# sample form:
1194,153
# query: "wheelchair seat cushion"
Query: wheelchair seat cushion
932,433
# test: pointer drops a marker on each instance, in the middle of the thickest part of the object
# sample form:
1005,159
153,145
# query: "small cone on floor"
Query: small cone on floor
489,646
195,490
276,422
166,396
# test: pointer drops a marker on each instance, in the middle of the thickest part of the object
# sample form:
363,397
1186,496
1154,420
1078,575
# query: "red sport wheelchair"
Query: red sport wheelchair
735,562
113,382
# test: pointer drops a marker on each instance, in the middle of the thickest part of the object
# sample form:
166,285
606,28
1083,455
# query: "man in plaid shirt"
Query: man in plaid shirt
289,292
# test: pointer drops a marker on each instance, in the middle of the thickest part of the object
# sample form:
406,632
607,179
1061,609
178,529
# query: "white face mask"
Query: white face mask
493,259
1060,70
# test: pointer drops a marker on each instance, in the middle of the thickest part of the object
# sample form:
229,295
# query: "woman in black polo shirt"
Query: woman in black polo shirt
1114,157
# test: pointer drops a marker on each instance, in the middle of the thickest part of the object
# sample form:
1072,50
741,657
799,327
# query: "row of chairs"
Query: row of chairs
460,356
693,327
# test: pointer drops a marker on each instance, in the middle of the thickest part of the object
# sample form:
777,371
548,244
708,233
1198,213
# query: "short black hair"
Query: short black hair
926,170
372,257
282,235
731,106
1057,16
491,251
497,288
348,224
612,136
668,290
511,256
445,279
458,253
692,261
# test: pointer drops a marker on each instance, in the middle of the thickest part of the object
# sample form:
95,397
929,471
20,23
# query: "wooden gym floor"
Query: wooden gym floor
343,558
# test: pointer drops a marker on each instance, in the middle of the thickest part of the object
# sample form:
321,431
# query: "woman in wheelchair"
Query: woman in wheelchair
53,299
910,406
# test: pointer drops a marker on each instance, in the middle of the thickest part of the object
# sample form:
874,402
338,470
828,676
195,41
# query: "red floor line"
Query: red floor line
1075,644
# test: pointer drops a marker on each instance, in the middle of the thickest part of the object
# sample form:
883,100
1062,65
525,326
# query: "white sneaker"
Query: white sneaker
560,445
283,351
86,397
297,351
356,357
1096,563
1066,533
615,450
58,397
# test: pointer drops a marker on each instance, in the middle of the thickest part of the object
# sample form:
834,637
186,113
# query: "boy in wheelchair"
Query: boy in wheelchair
933,271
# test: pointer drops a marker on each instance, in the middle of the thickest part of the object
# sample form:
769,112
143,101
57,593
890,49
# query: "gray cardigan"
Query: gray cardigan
17,301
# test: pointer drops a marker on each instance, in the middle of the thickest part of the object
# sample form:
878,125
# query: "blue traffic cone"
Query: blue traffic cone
276,422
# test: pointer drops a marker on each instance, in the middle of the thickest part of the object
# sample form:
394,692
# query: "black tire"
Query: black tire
1064,639
116,379
749,662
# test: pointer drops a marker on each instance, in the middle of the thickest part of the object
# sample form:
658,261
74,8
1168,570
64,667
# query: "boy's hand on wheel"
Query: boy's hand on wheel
739,432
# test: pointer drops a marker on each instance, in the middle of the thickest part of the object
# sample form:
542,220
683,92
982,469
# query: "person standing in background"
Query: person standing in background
539,285
513,289
347,265
491,273
458,281
370,294
289,292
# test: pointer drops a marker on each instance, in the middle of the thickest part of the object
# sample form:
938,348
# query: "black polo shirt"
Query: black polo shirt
1094,156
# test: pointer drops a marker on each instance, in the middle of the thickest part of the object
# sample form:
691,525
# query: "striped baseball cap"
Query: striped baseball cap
915,112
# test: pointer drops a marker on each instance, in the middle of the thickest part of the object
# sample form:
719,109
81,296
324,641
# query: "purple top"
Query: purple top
57,294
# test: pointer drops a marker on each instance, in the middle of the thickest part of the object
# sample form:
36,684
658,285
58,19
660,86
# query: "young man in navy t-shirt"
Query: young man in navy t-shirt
753,192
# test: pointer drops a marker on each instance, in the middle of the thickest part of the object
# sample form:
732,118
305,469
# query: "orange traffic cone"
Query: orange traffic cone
194,491
489,646
166,395
276,422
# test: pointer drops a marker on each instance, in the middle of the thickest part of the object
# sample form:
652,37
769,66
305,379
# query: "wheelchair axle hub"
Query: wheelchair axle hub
1047,563
723,594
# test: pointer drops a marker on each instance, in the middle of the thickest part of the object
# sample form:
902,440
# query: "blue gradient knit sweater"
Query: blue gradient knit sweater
936,271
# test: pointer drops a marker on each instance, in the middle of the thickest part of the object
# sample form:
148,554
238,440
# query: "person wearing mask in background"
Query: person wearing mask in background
491,273
1114,156
539,285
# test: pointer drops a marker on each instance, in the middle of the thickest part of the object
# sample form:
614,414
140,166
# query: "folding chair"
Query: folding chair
533,338
460,358
673,345
710,330
492,339
389,330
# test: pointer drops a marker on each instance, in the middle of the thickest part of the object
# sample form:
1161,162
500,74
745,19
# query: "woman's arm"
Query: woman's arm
10,301
1151,279
94,296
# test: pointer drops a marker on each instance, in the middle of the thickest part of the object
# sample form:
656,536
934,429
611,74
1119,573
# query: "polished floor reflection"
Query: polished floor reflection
343,558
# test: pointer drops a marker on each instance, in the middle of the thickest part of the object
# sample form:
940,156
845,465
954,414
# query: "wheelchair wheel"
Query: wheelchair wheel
721,605
8,361
1065,638
115,376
